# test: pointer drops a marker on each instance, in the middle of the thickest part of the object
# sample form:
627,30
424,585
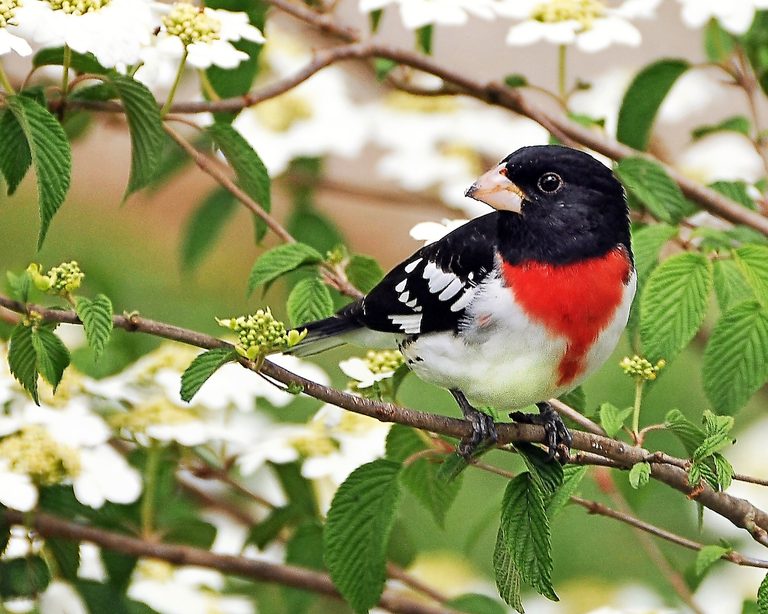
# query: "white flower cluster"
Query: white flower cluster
124,33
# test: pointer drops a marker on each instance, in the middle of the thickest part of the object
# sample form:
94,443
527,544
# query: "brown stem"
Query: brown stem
738,511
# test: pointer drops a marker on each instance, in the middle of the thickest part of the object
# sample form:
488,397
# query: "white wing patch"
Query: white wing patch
464,300
437,278
401,286
403,298
412,265
409,324
451,290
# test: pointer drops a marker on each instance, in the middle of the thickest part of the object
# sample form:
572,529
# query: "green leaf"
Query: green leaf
96,316
279,261
314,229
305,549
689,434
66,553
309,300
673,304
639,475
119,568
547,475
420,475
735,364
202,367
19,285
424,39
723,470
15,156
296,487
52,355
718,44
382,67
100,598
523,547
612,418
205,225
357,531
716,435
730,285
737,191
251,173
572,476
22,359
374,20
146,128
515,80
364,272
474,603
654,188
646,245
737,123
643,98
268,529
79,62
753,262
23,577
576,398
708,556
452,467
762,596
51,156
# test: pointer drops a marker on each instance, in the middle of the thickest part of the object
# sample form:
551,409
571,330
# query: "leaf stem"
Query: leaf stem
208,88
639,384
562,51
172,93
65,67
5,82
150,484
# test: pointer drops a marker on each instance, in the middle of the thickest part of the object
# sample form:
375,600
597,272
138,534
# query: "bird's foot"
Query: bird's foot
558,436
484,434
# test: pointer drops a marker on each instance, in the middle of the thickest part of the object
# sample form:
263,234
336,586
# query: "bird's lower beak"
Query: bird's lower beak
494,189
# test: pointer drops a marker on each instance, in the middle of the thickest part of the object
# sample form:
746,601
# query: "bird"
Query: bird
514,307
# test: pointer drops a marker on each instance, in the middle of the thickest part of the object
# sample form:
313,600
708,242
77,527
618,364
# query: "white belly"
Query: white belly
506,360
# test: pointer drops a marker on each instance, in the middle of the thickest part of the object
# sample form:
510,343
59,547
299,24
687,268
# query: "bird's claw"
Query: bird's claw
484,434
558,437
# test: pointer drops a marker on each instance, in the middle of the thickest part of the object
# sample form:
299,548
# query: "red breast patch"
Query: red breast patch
576,301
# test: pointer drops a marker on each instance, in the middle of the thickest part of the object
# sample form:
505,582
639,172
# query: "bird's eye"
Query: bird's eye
550,182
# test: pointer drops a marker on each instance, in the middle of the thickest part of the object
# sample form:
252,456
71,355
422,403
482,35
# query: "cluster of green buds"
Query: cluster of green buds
61,279
78,7
383,361
641,368
260,333
191,24
7,10
583,11
337,255
34,452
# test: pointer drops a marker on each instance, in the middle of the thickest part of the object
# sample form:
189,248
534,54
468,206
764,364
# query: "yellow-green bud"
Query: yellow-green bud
78,7
641,368
191,24
61,279
34,452
156,412
260,333
383,361
583,11
7,10
42,282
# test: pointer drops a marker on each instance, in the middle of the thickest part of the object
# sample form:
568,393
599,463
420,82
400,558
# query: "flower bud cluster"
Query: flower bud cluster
61,279
34,452
582,11
155,412
641,368
78,7
7,11
260,333
383,361
191,24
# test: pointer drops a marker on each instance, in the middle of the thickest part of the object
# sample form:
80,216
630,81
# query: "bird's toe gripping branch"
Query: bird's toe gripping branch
484,434
559,438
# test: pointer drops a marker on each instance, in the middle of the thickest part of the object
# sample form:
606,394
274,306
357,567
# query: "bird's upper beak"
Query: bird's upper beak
495,189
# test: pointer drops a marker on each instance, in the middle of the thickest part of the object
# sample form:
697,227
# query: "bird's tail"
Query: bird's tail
328,333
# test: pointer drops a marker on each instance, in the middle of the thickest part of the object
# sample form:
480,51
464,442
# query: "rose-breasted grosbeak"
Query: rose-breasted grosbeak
514,307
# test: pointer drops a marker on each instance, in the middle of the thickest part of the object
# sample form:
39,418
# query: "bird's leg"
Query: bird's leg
483,428
559,438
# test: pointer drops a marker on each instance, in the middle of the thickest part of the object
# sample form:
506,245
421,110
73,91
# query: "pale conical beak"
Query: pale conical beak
494,189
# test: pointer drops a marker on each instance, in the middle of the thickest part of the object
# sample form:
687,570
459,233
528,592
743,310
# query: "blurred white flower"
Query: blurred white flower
16,489
186,590
9,41
61,598
113,30
418,13
105,476
734,15
206,34
274,445
591,24
314,119
721,156
429,232
375,367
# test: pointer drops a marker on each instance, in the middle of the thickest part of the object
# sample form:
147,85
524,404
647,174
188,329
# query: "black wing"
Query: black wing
430,291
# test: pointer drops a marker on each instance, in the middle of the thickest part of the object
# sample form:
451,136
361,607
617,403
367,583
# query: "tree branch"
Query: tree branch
287,575
738,511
